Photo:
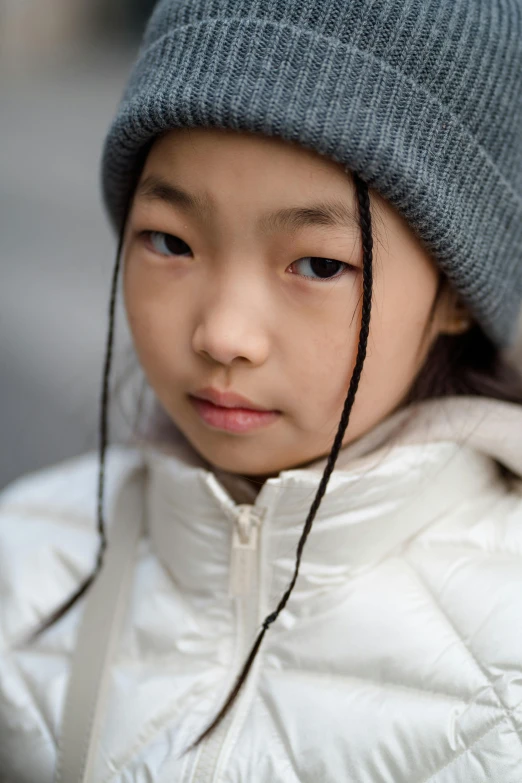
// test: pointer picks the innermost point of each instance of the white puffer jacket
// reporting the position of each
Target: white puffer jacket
(397, 660)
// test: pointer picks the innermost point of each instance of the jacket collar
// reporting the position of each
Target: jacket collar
(388, 486)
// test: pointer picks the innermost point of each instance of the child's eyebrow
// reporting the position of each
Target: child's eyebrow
(333, 214)
(154, 188)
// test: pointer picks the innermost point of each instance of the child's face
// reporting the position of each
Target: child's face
(241, 303)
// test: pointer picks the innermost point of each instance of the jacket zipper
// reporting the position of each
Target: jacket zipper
(244, 587)
(243, 557)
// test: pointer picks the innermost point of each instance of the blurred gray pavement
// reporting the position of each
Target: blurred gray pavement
(56, 256)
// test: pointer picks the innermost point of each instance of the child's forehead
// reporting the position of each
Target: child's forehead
(242, 156)
(238, 142)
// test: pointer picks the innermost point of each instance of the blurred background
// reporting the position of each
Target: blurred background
(63, 65)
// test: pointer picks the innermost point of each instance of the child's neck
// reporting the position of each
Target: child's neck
(242, 489)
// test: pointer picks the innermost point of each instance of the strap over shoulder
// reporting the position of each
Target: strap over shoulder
(98, 635)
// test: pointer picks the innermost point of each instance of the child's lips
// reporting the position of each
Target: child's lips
(232, 419)
(227, 399)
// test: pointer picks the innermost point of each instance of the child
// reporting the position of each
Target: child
(309, 568)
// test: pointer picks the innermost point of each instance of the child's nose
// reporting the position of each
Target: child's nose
(233, 324)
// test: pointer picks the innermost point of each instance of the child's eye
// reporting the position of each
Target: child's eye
(167, 244)
(321, 268)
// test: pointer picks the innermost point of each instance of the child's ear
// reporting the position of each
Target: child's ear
(453, 316)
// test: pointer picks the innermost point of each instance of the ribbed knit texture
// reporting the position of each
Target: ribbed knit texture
(422, 98)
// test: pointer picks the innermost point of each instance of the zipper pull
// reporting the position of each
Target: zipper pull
(243, 557)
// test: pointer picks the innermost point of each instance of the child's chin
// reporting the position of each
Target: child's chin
(236, 454)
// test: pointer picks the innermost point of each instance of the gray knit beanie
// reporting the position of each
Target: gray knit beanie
(421, 98)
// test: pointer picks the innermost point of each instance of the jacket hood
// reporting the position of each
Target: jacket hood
(488, 426)
(419, 465)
